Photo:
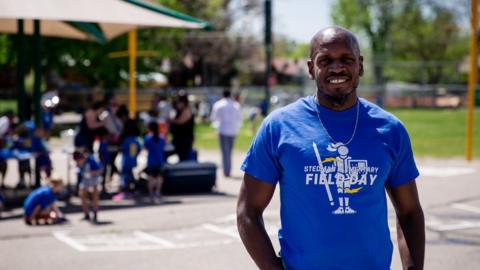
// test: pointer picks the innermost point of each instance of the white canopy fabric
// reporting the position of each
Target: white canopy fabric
(114, 17)
(47, 28)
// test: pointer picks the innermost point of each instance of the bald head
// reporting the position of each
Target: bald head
(332, 34)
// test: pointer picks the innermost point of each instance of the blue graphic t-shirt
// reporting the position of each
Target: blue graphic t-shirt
(42, 196)
(155, 151)
(130, 149)
(333, 202)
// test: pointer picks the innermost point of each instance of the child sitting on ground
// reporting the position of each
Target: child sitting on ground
(39, 206)
(90, 171)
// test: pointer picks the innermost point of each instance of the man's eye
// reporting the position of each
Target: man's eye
(348, 60)
(323, 62)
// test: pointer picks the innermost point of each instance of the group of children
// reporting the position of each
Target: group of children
(40, 208)
(26, 142)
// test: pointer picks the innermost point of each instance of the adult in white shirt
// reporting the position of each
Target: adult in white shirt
(226, 117)
(6, 122)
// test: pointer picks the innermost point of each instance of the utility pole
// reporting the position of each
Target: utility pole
(21, 71)
(37, 81)
(132, 89)
(268, 50)
(472, 78)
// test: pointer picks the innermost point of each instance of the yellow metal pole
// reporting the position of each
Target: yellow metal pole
(472, 78)
(132, 55)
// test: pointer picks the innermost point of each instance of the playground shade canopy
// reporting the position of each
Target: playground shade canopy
(90, 19)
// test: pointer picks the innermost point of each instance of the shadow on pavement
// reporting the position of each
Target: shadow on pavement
(72, 205)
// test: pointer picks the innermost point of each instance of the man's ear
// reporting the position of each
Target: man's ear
(361, 66)
(311, 66)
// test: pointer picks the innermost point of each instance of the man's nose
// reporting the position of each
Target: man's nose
(337, 66)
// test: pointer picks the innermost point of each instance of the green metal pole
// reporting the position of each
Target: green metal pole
(20, 71)
(37, 84)
(37, 81)
(268, 50)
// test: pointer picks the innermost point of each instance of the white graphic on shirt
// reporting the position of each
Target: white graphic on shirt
(349, 176)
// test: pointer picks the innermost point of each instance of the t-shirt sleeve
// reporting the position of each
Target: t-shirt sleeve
(404, 168)
(94, 165)
(261, 161)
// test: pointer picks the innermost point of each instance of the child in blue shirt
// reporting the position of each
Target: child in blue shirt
(39, 206)
(154, 143)
(22, 150)
(106, 153)
(90, 171)
(41, 152)
(130, 148)
(46, 115)
(5, 153)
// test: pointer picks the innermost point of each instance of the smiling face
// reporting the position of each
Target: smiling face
(336, 66)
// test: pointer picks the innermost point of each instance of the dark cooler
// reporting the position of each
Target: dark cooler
(189, 177)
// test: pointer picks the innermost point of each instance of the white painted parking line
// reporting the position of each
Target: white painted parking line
(226, 218)
(461, 225)
(444, 171)
(219, 230)
(466, 207)
(154, 239)
(107, 242)
(435, 224)
(206, 244)
(222, 231)
(63, 236)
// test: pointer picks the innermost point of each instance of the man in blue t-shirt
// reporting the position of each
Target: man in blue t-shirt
(334, 155)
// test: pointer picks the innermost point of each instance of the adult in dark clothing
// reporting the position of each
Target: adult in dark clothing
(88, 126)
(130, 126)
(181, 127)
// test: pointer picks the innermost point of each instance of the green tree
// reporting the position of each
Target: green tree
(410, 40)
(214, 53)
(374, 19)
(428, 36)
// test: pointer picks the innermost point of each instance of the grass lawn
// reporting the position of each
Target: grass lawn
(8, 104)
(435, 133)
(439, 133)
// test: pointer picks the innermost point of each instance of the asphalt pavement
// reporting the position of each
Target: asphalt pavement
(199, 231)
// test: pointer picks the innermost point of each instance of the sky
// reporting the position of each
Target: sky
(297, 19)
(300, 19)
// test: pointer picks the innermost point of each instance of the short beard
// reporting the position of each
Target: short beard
(337, 100)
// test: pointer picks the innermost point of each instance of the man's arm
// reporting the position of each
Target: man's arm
(412, 223)
(254, 197)
(402, 244)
